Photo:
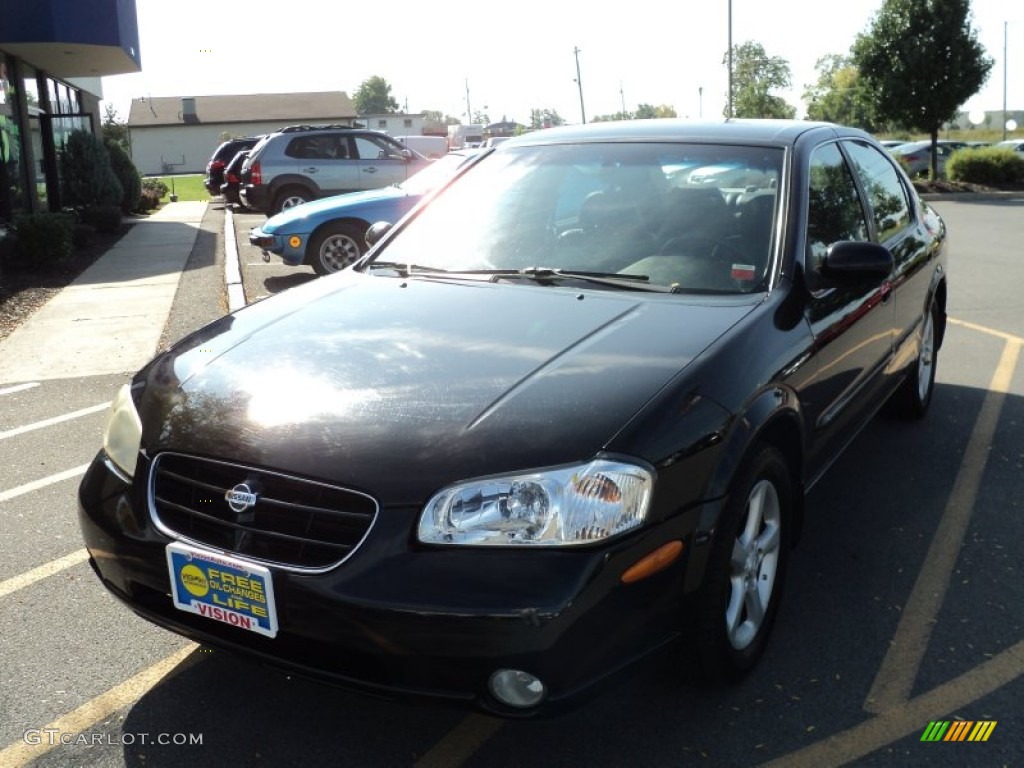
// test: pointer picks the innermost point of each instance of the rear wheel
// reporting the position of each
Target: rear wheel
(335, 247)
(912, 399)
(746, 570)
(289, 198)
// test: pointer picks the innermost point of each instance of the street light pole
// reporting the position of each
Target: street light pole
(730, 58)
(579, 82)
(622, 95)
(469, 112)
(700, 101)
(1005, 23)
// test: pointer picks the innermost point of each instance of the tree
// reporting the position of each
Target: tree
(374, 97)
(840, 95)
(648, 111)
(114, 129)
(86, 175)
(755, 75)
(922, 60)
(612, 117)
(545, 118)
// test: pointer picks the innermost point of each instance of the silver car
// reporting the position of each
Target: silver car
(306, 162)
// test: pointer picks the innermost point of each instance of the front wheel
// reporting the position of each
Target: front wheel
(335, 247)
(746, 569)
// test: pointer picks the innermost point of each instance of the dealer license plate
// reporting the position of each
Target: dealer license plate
(222, 589)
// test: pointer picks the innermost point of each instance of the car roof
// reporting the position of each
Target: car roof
(783, 132)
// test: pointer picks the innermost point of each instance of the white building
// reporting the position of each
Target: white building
(178, 134)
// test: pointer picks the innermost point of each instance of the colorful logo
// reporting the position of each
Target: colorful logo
(194, 580)
(958, 730)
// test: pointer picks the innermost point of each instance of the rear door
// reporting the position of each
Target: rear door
(324, 159)
(899, 227)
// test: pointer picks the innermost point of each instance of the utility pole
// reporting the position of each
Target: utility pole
(622, 95)
(469, 111)
(579, 82)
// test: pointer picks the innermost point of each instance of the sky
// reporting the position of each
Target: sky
(506, 59)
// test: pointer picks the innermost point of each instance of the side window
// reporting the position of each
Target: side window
(324, 147)
(885, 191)
(376, 148)
(834, 210)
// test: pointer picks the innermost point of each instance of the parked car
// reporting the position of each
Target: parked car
(330, 234)
(306, 162)
(233, 179)
(1017, 145)
(918, 158)
(563, 415)
(220, 158)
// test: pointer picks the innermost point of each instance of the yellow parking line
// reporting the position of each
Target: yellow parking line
(895, 678)
(43, 571)
(460, 742)
(95, 710)
(847, 746)
(990, 331)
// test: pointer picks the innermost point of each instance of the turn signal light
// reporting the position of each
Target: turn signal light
(650, 564)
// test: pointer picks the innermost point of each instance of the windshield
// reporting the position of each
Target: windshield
(435, 174)
(689, 217)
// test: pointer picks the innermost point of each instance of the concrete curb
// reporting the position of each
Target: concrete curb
(232, 269)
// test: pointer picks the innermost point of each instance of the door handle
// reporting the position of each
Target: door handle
(311, 169)
(371, 169)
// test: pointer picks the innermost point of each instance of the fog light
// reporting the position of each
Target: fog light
(516, 688)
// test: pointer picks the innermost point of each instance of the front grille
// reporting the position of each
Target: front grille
(295, 523)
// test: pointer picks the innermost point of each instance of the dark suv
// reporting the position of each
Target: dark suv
(306, 162)
(221, 157)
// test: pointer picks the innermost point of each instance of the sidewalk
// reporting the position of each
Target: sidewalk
(109, 320)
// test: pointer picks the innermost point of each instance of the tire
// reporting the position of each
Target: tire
(289, 198)
(914, 395)
(746, 569)
(335, 247)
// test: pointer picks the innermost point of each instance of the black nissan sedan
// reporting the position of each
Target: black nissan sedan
(563, 413)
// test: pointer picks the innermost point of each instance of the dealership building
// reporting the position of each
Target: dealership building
(52, 56)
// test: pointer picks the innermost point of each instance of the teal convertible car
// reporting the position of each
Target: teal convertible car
(329, 234)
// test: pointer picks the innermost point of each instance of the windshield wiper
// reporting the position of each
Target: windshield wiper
(404, 268)
(615, 279)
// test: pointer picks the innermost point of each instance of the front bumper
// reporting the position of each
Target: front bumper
(291, 248)
(404, 620)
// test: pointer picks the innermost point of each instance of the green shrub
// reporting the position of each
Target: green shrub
(155, 186)
(991, 166)
(86, 173)
(83, 235)
(127, 174)
(44, 237)
(106, 218)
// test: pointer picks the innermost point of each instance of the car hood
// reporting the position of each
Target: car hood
(329, 207)
(399, 386)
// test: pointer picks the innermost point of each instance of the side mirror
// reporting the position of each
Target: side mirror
(377, 231)
(849, 261)
(407, 154)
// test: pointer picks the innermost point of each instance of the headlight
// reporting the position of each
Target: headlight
(580, 504)
(123, 434)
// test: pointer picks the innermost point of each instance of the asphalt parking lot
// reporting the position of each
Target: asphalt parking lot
(904, 603)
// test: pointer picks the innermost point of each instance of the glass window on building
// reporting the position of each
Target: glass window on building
(37, 170)
(12, 175)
